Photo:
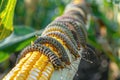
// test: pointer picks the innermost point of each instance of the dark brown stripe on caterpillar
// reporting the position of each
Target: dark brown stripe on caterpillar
(62, 53)
(75, 35)
(44, 50)
(72, 17)
(75, 14)
(66, 40)
(77, 8)
(74, 21)
(81, 34)
(64, 29)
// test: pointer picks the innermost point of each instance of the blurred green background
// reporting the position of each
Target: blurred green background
(32, 16)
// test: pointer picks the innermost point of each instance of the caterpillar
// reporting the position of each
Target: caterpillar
(66, 40)
(75, 14)
(75, 35)
(82, 37)
(46, 51)
(64, 29)
(46, 39)
(76, 22)
(76, 8)
(57, 28)
(81, 33)
(53, 28)
(65, 16)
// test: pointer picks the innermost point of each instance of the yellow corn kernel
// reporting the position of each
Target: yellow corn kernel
(24, 72)
(17, 68)
(48, 71)
(33, 66)
(38, 68)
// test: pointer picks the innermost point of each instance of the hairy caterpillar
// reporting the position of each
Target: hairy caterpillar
(76, 8)
(66, 40)
(46, 51)
(64, 29)
(55, 44)
(81, 33)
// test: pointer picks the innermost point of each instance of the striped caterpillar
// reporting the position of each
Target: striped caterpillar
(75, 35)
(62, 28)
(77, 8)
(75, 22)
(75, 14)
(46, 51)
(46, 39)
(78, 30)
(74, 18)
(66, 40)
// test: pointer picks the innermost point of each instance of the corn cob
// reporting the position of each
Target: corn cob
(36, 66)
(30, 68)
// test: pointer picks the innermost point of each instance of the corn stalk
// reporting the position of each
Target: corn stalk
(34, 65)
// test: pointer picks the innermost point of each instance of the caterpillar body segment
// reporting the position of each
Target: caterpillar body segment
(24, 52)
(65, 16)
(81, 34)
(46, 51)
(74, 21)
(75, 14)
(64, 29)
(75, 35)
(66, 40)
(77, 8)
(62, 52)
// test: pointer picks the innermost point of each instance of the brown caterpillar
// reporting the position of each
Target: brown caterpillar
(53, 28)
(76, 22)
(66, 40)
(75, 35)
(46, 51)
(65, 16)
(75, 14)
(83, 42)
(81, 34)
(82, 38)
(64, 29)
(46, 39)
(73, 21)
(76, 8)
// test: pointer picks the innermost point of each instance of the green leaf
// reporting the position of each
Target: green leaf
(3, 56)
(6, 17)
(23, 30)
(18, 40)
(110, 25)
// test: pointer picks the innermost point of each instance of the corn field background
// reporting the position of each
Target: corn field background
(22, 20)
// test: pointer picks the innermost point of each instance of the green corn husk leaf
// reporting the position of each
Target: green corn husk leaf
(6, 17)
